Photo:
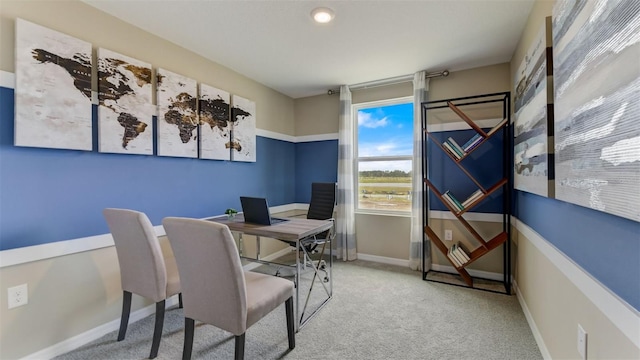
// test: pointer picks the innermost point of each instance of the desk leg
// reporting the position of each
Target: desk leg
(240, 244)
(258, 247)
(297, 284)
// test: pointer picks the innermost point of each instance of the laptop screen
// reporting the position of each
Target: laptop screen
(256, 210)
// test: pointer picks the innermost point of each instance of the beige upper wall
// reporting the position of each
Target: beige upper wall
(540, 10)
(317, 115)
(320, 114)
(478, 81)
(274, 111)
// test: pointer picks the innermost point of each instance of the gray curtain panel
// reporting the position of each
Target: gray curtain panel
(420, 88)
(345, 224)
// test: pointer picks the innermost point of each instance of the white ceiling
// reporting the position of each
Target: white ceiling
(276, 43)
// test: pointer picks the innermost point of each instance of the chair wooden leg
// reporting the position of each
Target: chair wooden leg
(189, 328)
(239, 347)
(157, 331)
(124, 319)
(291, 330)
(180, 301)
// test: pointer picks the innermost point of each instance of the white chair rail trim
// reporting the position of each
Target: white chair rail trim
(28, 254)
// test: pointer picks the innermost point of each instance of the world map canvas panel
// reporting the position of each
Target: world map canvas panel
(215, 136)
(243, 142)
(125, 113)
(533, 125)
(597, 104)
(53, 89)
(177, 115)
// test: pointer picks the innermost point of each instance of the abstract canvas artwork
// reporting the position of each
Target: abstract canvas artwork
(243, 139)
(596, 57)
(53, 89)
(177, 115)
(215, 127)
(125, 113)
(533, 110)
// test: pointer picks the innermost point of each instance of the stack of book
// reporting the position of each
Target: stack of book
(472, 143)
(453, 147)
(472, 198)
(459, 206)
(457, 255)
(455, 204)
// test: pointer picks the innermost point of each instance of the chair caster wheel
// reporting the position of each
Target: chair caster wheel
(326, 279)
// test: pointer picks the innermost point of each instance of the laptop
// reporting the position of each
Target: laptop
(256, 211)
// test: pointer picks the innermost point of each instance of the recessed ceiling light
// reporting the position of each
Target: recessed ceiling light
(322, 15)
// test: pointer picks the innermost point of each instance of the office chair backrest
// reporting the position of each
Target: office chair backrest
(142, 266)
(211, 275)
(323, 199)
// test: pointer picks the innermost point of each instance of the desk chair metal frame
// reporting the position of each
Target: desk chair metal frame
(321, 207)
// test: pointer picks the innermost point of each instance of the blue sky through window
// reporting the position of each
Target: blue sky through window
(386, 131)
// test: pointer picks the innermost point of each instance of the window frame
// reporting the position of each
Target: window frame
(357, 159)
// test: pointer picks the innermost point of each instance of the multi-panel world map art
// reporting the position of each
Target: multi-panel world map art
(125, 113)
(53, 89)
(177, 115)
(53, 99)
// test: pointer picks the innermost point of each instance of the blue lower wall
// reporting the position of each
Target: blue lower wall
(606, 246)
(316, 161)
(49, 195)
(484, 164)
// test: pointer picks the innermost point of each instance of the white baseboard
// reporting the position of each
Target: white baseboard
(475, 273)
(383, 259)
(86, 337)
(532, 324)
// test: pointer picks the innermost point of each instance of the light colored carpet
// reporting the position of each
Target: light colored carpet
(377, 312)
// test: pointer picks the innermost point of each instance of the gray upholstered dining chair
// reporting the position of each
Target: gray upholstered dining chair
(144, 269)
(216, 290)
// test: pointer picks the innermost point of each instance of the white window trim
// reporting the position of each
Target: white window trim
(354, 115)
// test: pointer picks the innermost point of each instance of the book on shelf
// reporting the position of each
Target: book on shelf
(455, 201)
(460, 251)
(455, 146)
(473, 197)
(498, 126)
(453, 259)
(461, 259)
(451, 203)
(474, 143)
(472, 140)
(449, 148)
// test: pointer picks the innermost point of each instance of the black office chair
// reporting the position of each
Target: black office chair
(323, 199)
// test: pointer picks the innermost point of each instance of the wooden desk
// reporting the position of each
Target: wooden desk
(295, 230)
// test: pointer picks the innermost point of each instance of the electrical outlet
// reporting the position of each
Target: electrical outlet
(582, 342)
(18, 296)
(448, 235)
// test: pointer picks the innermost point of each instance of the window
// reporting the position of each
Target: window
(384, 155)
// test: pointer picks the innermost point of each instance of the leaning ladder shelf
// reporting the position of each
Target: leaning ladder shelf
(459, 154)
